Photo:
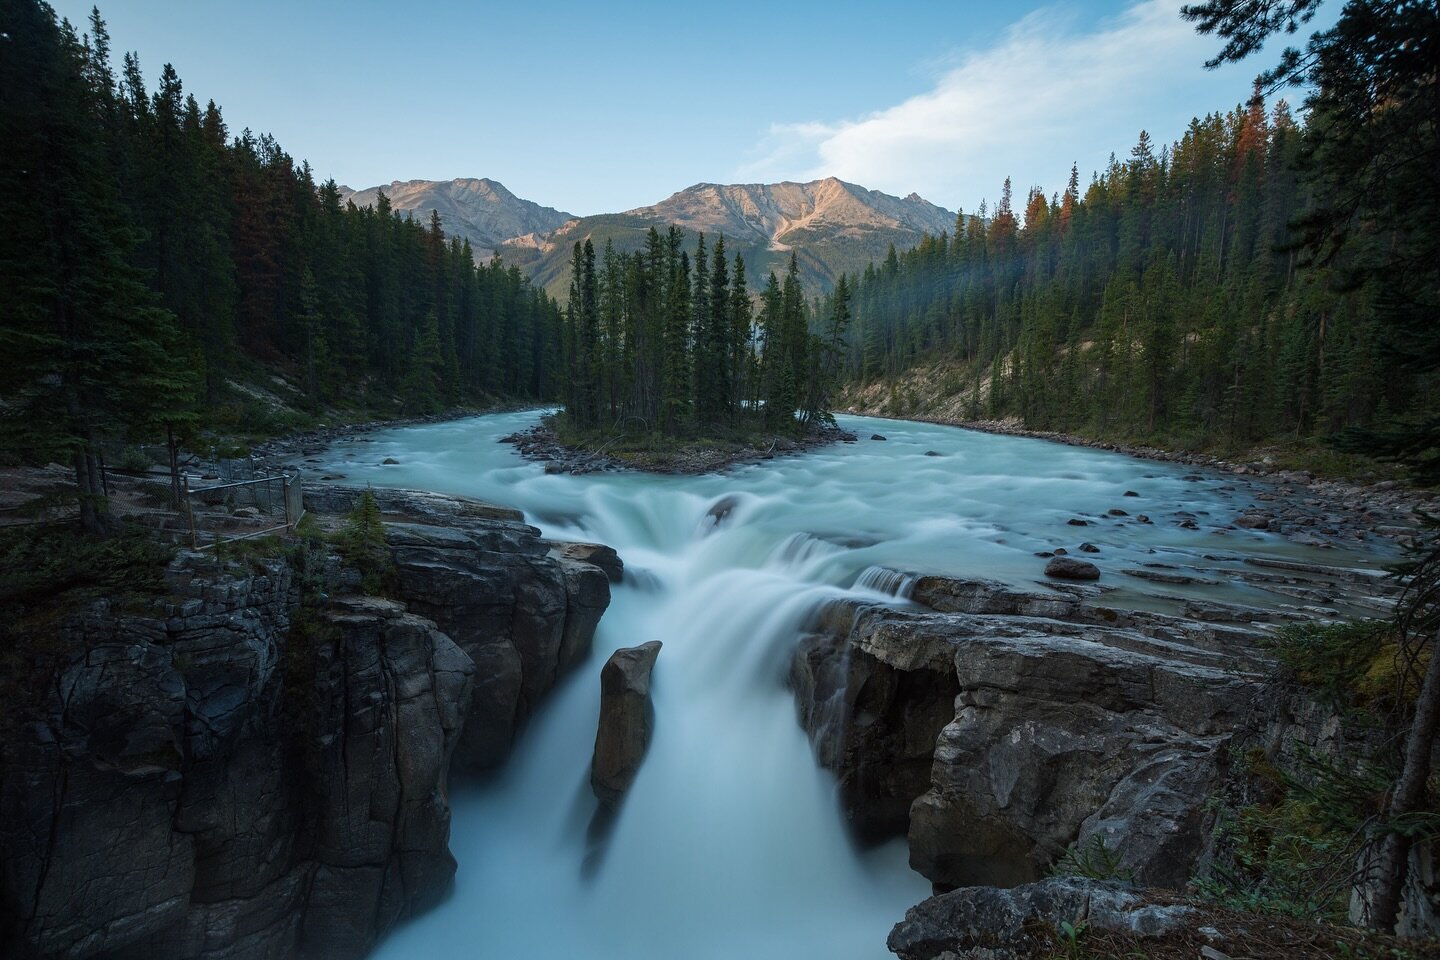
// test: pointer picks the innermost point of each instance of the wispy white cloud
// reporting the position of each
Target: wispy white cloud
(1052, 91)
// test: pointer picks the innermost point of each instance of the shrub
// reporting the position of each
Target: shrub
(361, 543)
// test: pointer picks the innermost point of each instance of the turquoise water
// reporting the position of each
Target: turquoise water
(730, 844)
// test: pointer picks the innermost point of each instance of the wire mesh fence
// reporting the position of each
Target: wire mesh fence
(231, 500)
(238, 509)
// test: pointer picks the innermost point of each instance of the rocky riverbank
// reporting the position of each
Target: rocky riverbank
(291, 450)
(1001, 730)
(258, 765)
(543, 444)
(1310, 510)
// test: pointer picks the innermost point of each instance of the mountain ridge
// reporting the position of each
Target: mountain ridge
(829, 225)
(479, 209)
(774, 210)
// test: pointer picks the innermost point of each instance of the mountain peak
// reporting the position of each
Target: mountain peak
(774, 211)
(479, 209)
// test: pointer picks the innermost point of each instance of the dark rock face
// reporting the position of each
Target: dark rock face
(874, 725)
(1004, 726)
(132, 806)
(523, 609)
(207, 784)
(627, 720)
(391, 698)
(985, 923)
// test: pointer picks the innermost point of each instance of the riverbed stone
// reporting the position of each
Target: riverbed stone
(1068, 568)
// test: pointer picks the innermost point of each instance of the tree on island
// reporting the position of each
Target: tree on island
(668, 343)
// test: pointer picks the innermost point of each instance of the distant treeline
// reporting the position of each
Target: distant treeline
(148, 258)
(1167, 300)
(658, 342)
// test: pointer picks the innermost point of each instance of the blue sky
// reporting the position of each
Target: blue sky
(594, 107)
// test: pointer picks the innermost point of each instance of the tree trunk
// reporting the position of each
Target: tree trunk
(172, 447)
(1408, 796)
(94, 508)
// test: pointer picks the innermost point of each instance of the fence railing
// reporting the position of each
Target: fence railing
(205, 510)
(279, 499)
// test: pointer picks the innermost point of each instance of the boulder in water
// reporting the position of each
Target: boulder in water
(721, 509)
(876, 436)
(626, 721)
(1068, 568)
(596, 554)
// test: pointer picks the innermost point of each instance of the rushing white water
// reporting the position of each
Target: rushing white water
(730, 843)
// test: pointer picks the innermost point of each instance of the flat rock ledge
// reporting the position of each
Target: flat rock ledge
(987, 923)
(1087, 918)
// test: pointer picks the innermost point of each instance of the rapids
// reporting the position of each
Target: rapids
(730, 845)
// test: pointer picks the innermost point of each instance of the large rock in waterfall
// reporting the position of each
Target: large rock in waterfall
(627, 720)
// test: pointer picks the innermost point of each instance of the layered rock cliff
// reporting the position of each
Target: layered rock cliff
(233, 775)
(998, 727)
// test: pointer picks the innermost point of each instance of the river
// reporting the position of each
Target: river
(730, 845)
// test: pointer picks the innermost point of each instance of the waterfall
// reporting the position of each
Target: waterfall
(730, 843)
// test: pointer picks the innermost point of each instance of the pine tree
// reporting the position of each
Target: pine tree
(91, 356)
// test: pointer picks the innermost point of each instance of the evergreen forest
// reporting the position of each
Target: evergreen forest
(1233, 287)
(156, 267)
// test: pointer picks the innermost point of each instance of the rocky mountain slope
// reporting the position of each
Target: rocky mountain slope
(481, 210)
(830, 225)
(789, 214)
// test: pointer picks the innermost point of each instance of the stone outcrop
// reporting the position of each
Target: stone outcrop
(988, 923)
(627, 720)
(1001, 726)
(872, 723)
(388, 702)
(209, 780)
(522, 608)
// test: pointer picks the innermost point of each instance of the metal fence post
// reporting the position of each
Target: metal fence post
(190, 513)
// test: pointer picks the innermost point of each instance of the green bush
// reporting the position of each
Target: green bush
(1293, 852)
(1093, 861)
